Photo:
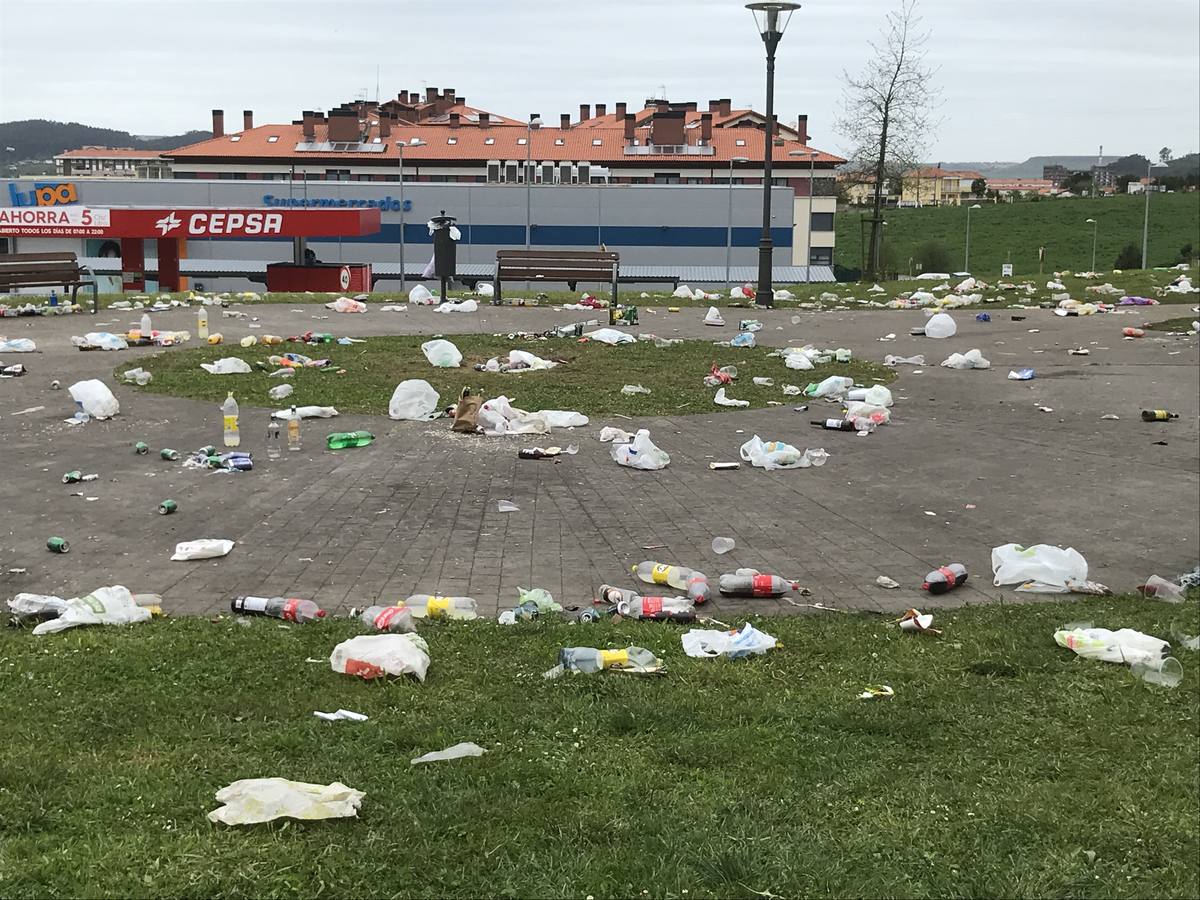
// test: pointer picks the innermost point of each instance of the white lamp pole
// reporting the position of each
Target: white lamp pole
(967, 253)
(534, 119)
(1094, 225)
(729, 223)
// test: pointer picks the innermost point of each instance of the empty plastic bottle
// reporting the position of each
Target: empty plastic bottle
(229, 414)
(290, 609)
(612, 594)
(1158, 415)
(340, 440)
(689, 580)
(590, 660)
(433, 607)
(675, 609)
(389, 618)
(146, 328)
(202, 324)
(273, 451)
(752, 583)
(293, 427)
(944, 579)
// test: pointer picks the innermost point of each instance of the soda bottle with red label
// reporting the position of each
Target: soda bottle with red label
(290, 609)
(674, 609)
(752, 583)
(396, 619)
(947, 578)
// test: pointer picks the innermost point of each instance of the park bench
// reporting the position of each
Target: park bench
(58, 269)
(571, 266)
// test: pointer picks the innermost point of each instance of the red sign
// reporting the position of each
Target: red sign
(188, 223)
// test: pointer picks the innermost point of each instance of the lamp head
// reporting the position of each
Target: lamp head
(772, 18)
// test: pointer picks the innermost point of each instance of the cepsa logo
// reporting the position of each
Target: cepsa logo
(44, 194)
(232, 224)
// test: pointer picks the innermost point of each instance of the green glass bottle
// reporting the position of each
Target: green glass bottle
(340, 440)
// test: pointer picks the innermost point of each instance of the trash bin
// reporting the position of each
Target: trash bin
(445, 248)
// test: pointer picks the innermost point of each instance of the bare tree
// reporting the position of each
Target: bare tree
(887, 111)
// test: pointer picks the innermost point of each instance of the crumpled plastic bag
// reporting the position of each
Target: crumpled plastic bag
(466, 306)
(641, 453)
(611, 336)
(375, 655)
(735, 644)
(562, 418)
(683, 292)
(306, 412)
(414, 400)
(778, 455)
(458, 751)
(254, 800)
(100, 340)
(95, 398)
(940, 326)
(972, 359)
(442, 353)
(744, 339)
(721, 400)
(346, 305)
(1041, 569)
(104, 606)
(230, 365)
(499, 416)
(616, 435)
(1122, 646)
(17, 345)
(205, 548)
(485, 289)
(420, 296)
(918, 360)
(833, 387)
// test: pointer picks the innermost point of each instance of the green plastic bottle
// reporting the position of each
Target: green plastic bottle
(340, 440)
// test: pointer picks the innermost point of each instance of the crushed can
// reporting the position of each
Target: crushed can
(141, 448)
(167, 507)
(72, 477)
(58, 545)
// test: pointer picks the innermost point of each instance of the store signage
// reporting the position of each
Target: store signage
(387, 204)
(44, 194)
(133, 222)
(76, 221)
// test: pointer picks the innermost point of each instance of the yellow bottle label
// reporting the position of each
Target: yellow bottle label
(661, 574)
(611, 659)
(231, 423)
(437, 606)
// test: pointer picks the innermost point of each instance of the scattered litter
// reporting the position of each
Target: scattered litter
(27, 410)
(778, 455)
(506, 506)
(640, 453)
(1021, 374)
(104, 606)
(972, 359)
(305, 412)
(634, 389)
(721, 400)
(205, 548)
(877, 692)
(94, 399)
(346, 305)
(442, 353)
(138, 376)
(917, 621)
(375, 655)
(723, 466)
(884, 582)
(930, 512)
(616, 435)
(466, 306)
(1125, 646)
(254, 800)
(340, 714)
(589, 660)
(722, 545)
(700, 643)
(713, 317)
(611, 336)
(420, 296)
(230, 365)
(414, 400)
(1043, 569)
(17, 345)
(458, 751)
(280, 392)
(940, 326)
(890, 360)
(1046, 409)
(1162, 589)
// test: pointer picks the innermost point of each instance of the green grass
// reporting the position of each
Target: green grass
(589, 380)
(1013, 232)
(1004, 766)
(1181, 323)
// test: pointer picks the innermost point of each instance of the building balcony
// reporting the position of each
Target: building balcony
(668, 150)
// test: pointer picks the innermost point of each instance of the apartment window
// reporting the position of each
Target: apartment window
(337, 174)
(820, 256)
(584, 173)
(822, 221)
(666, 178)
(493, 171)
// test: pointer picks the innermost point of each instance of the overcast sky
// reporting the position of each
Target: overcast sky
(1019, 78)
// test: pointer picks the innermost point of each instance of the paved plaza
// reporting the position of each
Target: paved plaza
(416, 511)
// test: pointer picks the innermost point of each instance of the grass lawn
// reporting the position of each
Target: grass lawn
(1013, 232)
(1181, 323)
(1004, 766)
(589, 381)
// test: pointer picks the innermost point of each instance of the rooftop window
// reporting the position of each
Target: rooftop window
(596, 142)
(740, 142)
(558, 142)
(235, 137)
(272, 139)
(522, 141)
(489, 140)
(451, 140)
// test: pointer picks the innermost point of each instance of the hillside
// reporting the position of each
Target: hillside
(40, 139)
(1014, 231)
(1030, 168)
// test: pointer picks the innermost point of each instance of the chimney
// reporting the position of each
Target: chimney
(619, 111)
(601, 109)
(218, 123)
(448, 94)
(535, 120)
(714, 105)
(247, 119)
(706, 128)
(343, 126)
(385, 125)
(430, 94)
(584, 112)
(690, 106)
(310, 125)
(630, 120)
(666, 127)
(454, 118)
(564, 121)
(725, 106)
(485, 119)
(802, 129)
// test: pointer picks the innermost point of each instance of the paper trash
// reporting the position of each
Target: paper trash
(205, 548)
(734, 644)
(253, 800)
(458, 751)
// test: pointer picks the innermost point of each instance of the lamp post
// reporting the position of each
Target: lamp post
(1146, 218)
(772, 20)
(534, 119)
(400, 145)
(967, 252)
(729, 225)
(812, 162)
(1095, 226)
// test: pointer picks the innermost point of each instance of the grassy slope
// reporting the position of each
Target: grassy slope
(590, 383)
(1014, 231)
(1000, 765)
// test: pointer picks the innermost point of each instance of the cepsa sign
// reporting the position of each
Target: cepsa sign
(222, 224)
(170, 224)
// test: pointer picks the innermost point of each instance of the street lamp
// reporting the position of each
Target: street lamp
(967, 253)
(772, 19)
(729, 225)
(812, 162)
(1095, 226)
(534, 119)
(1146, 218)
(400, 145)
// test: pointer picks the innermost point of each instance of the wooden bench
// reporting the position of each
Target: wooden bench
(60, 269)
(571, 266)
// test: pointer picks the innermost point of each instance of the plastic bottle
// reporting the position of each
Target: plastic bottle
(689, 580)
(290, 609)
(835, 425)
(229, 414)
(202, 324)
(389, 618)
(752, 583)
(590, 660)
(944, 579)
(273, 451)
(293, 428)
(340, 440)
(146, 328)
(1133, 332)
(612, 594)
(1158, 415)
(433, 607)
(675, 609)
(53, 297)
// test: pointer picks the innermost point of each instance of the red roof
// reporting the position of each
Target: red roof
(502, 142)
(109, 153)
(935, 172)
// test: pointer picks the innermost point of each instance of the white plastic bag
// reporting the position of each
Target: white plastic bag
(875, 395)
(972, 359)
(458, 751)
(253, 800)
(940, 325)
(485, 289)
(442, 354)
(414, 400)
(721, 400)
(616, 435)
(306, 412)
(525, 358)
(1040, 569)
(797, 359)
(280, 391)
(205, 548)
(100, 340)
(375, 655)
(562, 418)
(17, 345)
(834, 386)
(420, 296)
(103, 606)
(640, 453)
(734, 644)
(683, 292)
(95, 398)
(230, 365)
(611, 336)
(346, 305)
(778, 455)
(1122, 646)
(466, 306)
